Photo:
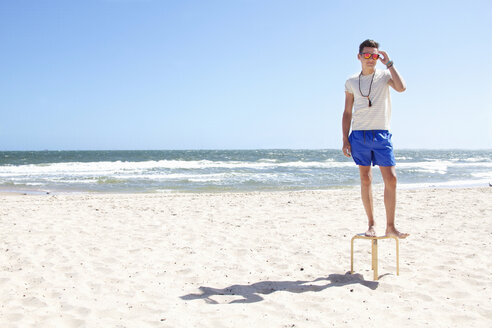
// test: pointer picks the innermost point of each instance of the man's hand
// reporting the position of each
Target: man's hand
(347, 149)
(396, 81)
(385, 58)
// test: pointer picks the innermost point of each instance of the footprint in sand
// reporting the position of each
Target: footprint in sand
(418, 295)
(12, 317)
(33, 302)
(104, 269)
(459, 294)
(66, 321)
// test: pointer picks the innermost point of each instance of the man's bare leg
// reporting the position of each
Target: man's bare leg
(366, 195)
(389, 177)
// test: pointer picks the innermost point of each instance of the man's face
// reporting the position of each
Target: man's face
(368, 62)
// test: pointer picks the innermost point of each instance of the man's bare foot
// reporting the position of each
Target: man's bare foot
(396, 233)
(370, 232)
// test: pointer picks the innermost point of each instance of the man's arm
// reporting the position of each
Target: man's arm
(346, 122)
(396, 81)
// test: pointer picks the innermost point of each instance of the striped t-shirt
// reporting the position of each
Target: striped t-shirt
(376, 117)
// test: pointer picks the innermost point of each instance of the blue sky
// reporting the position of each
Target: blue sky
(236, 74)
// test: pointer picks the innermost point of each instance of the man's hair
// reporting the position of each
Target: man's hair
(368, 43)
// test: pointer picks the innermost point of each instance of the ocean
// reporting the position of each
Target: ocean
(228, 170)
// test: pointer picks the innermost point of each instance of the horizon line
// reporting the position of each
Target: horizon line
(234, 149)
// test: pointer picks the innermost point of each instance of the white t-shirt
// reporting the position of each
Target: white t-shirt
(378, 116)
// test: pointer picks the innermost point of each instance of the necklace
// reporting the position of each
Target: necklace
(370, 86)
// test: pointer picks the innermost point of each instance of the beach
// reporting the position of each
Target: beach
(244, 259)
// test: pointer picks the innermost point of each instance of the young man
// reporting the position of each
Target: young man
(368, 110)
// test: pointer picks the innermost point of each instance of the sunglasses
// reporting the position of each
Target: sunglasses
(367, 55)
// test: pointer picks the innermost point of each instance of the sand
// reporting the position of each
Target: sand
(263, 259)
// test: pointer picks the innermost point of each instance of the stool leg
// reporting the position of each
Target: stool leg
(397, 257)
(372, 253)
(375, 258)
(352, 256)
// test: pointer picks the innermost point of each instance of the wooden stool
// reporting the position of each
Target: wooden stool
(374, 242)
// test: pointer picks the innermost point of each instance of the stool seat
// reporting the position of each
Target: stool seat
(374, 243)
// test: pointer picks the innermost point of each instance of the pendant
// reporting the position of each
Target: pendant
(370, 103)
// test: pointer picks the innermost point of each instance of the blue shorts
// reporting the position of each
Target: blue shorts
(372, 146)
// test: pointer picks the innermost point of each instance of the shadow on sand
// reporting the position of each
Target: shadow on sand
(251, 293)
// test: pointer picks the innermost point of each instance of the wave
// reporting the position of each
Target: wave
(440, 167)
(280, 173)
(446, 184)
(118, 166)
